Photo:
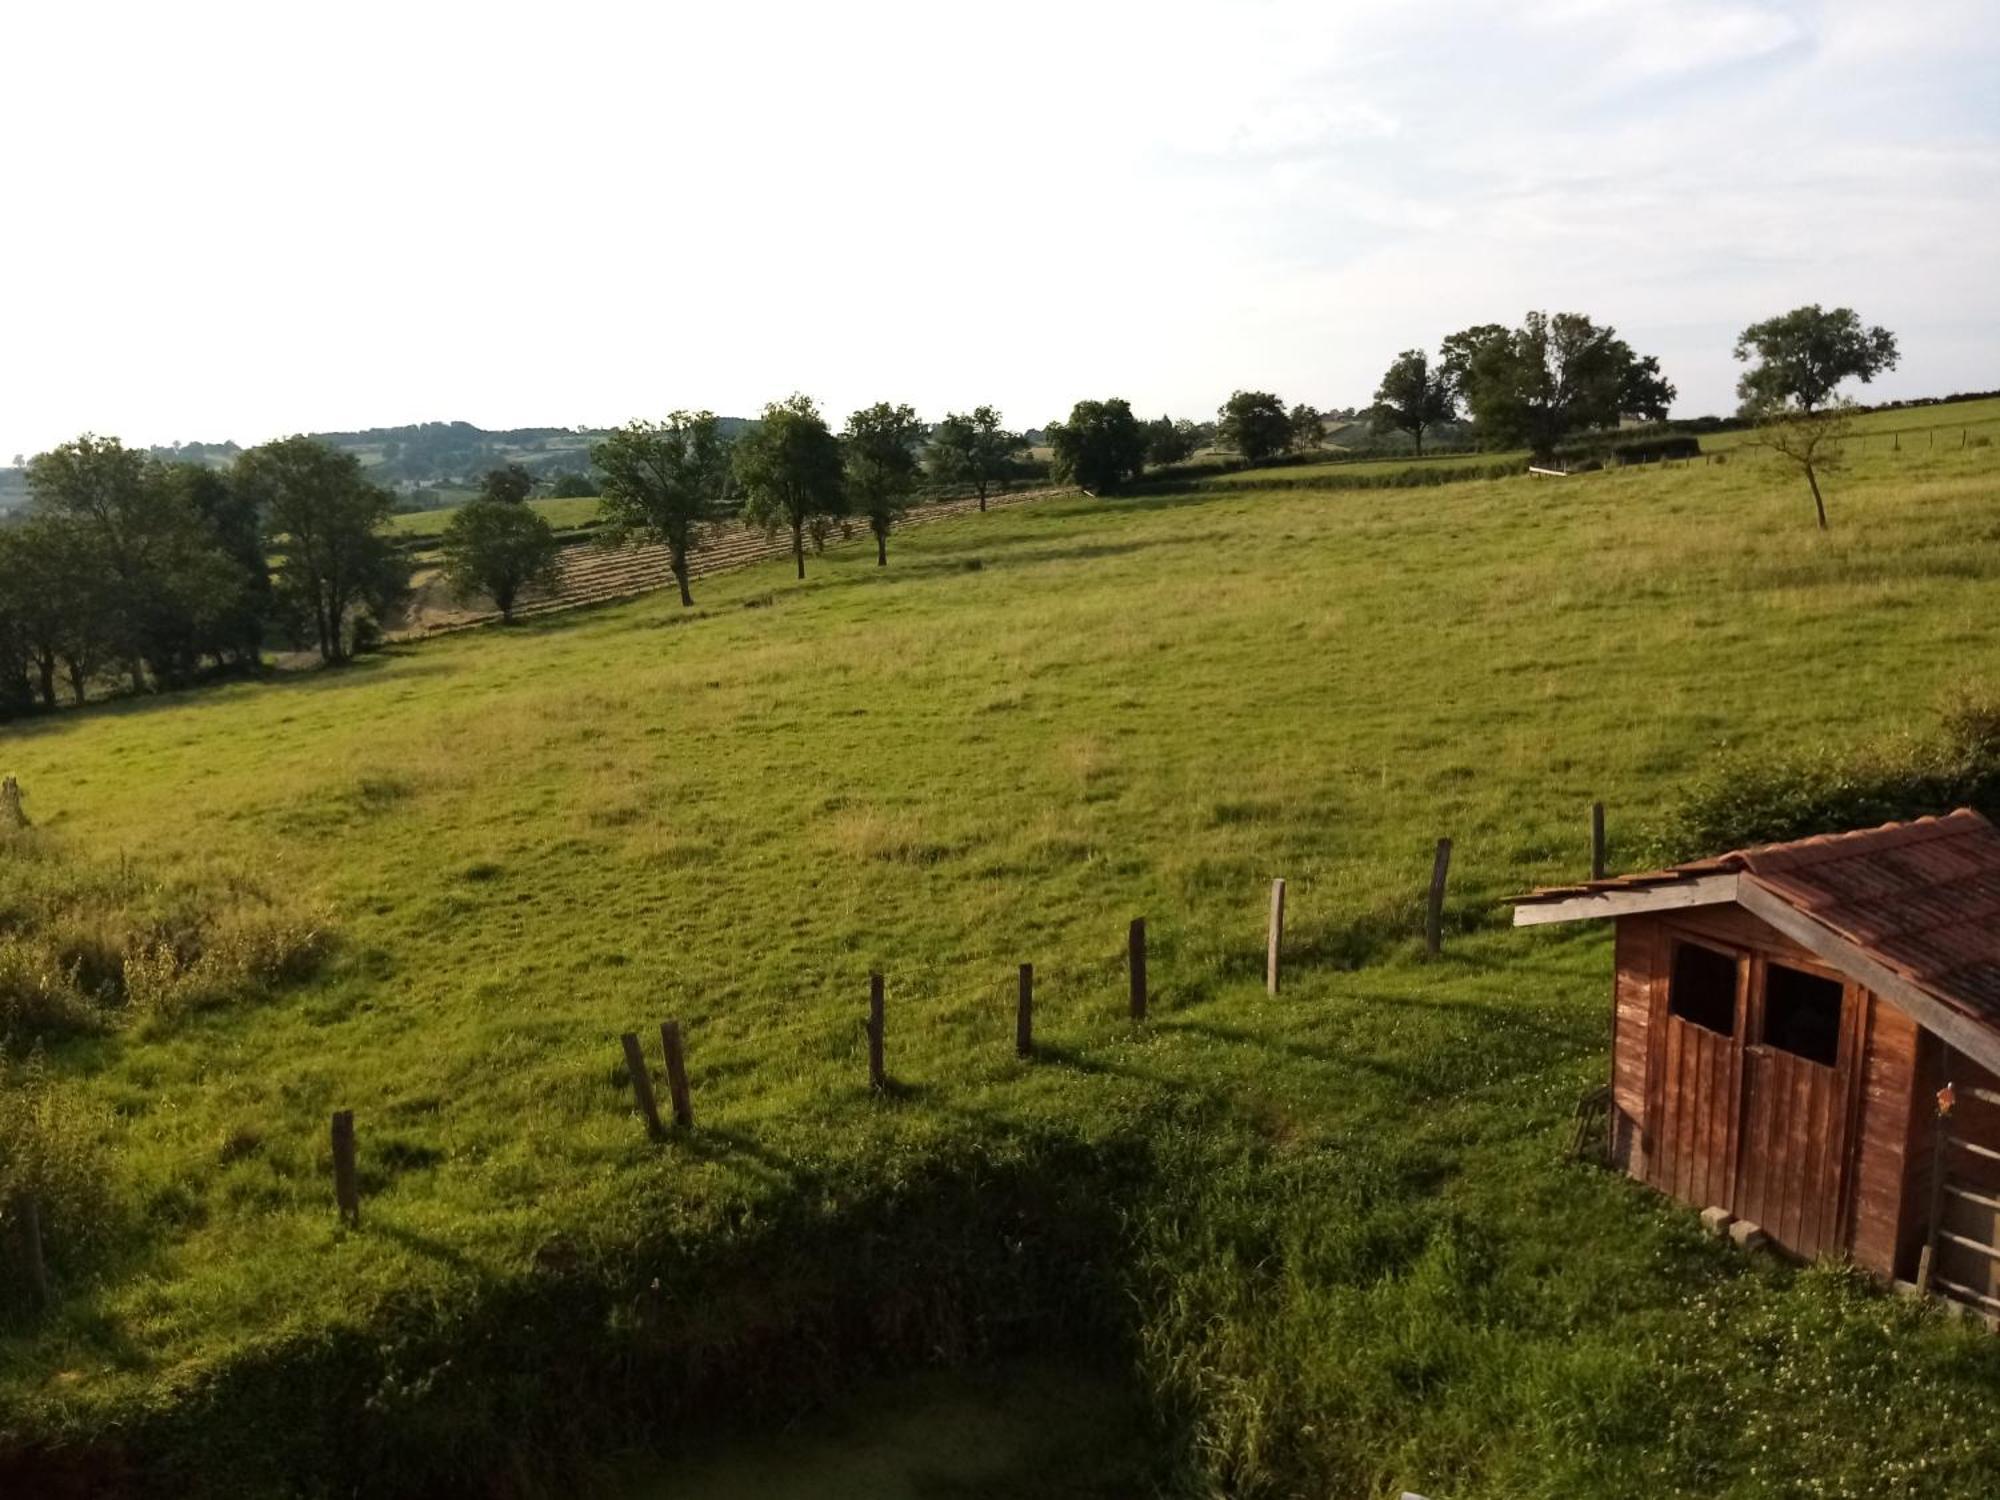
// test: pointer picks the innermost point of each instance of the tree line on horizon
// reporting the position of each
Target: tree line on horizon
(154, 573)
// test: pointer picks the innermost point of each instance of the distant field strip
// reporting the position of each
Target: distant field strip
(593, 574)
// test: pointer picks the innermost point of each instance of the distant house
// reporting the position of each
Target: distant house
(1788, 1022)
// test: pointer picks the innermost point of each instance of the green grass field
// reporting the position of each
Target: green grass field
(1333, 1235)
(574, 511)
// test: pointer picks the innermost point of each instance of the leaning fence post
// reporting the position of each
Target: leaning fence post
(1277, 937)
(346, 1191)
(1024, 1014)
(11, 815)
(642, 1084)
(1597, 841)
(878, 1076)
(677, 1076)
(1135, 949)
(1434, 917)
(31, 1247)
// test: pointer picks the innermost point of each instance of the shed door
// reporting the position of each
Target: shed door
(1800, 1051)
(1694, 1075)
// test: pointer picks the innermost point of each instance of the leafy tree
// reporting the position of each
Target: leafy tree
(1415, 396)
(661, 481)
(1100, 448)
(1551, 377)
(326, 520)
(572, 486)
(52, 593)
(1255, 424)
(1809, 440)
(500, 548)
(1170, 442)
(1802, 356)
(1308, 429)
(880, 448)
(973, 449)
(233, 629)
(166, 580)
(790, 469)
(509, 483)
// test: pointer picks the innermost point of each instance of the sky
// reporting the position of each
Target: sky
(240, 221)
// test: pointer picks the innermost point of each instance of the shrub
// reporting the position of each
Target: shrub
(84, 948)
(1748, 800)
(51, 1150)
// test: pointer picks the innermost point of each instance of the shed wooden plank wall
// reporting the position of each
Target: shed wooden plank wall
(1974, 1121)
(1638, 950)
(1880, 1230)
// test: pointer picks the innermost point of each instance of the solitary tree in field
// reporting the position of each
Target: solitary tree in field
(325, 520)
(972, 448)
(1809, 440)
(879, 447)
(1255, 424)
(1802, 356)
(1308, 429)
(1553, 376)
(662, 480)
(1169, 442)
(1414, 397)
(509, 483)
(789, 467)
(1100, 448)
(500, 548)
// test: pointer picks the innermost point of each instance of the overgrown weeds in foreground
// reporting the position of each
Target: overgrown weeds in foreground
(88, 947)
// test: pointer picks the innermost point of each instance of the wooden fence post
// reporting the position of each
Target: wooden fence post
(677, 1075)
(1277, 937)
(11, 815)
(31, 1247)
(1434, 917)
(1135, 950)
(1597, 841)
(1024, 1014)
(346, 1190)
(642, 1084)
(878, 1075)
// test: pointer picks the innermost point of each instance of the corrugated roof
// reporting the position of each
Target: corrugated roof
(1922, 898)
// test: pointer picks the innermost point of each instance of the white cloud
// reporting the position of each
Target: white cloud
(237, 220)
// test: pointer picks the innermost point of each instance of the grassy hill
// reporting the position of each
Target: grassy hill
(1332, 1238)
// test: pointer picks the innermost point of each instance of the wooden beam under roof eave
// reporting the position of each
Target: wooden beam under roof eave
(1703, 890)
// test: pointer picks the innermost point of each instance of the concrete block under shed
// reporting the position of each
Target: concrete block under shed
(1748, 1236)
(1716, 1221)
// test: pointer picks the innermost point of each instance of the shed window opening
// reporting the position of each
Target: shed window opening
(1802, 1014)
(1703, 988)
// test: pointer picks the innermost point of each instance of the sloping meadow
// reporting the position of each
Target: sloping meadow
(1333, 1235)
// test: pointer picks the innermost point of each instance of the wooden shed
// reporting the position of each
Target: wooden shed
(1807, 1035)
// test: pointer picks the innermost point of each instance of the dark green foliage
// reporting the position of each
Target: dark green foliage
(1255, 424)
(1555, 375)
(1414, 397)
(572, 486)
(509, 483)
(661, 481)
(51, 1152)
(133, 564)
(1644, 448)
(972, 449)
(1802, 357)
(1755, 797)
(1308, 429)
(337, 567)
(879, 450)
(1100, 449)
(790, 469)
(1170, 442)
(499, 548)
(1416, 477)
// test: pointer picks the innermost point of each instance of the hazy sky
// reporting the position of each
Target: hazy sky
(245, 220)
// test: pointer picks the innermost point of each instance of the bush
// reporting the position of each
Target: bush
(85, 948)
(1754, 799)
(51, 1150)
